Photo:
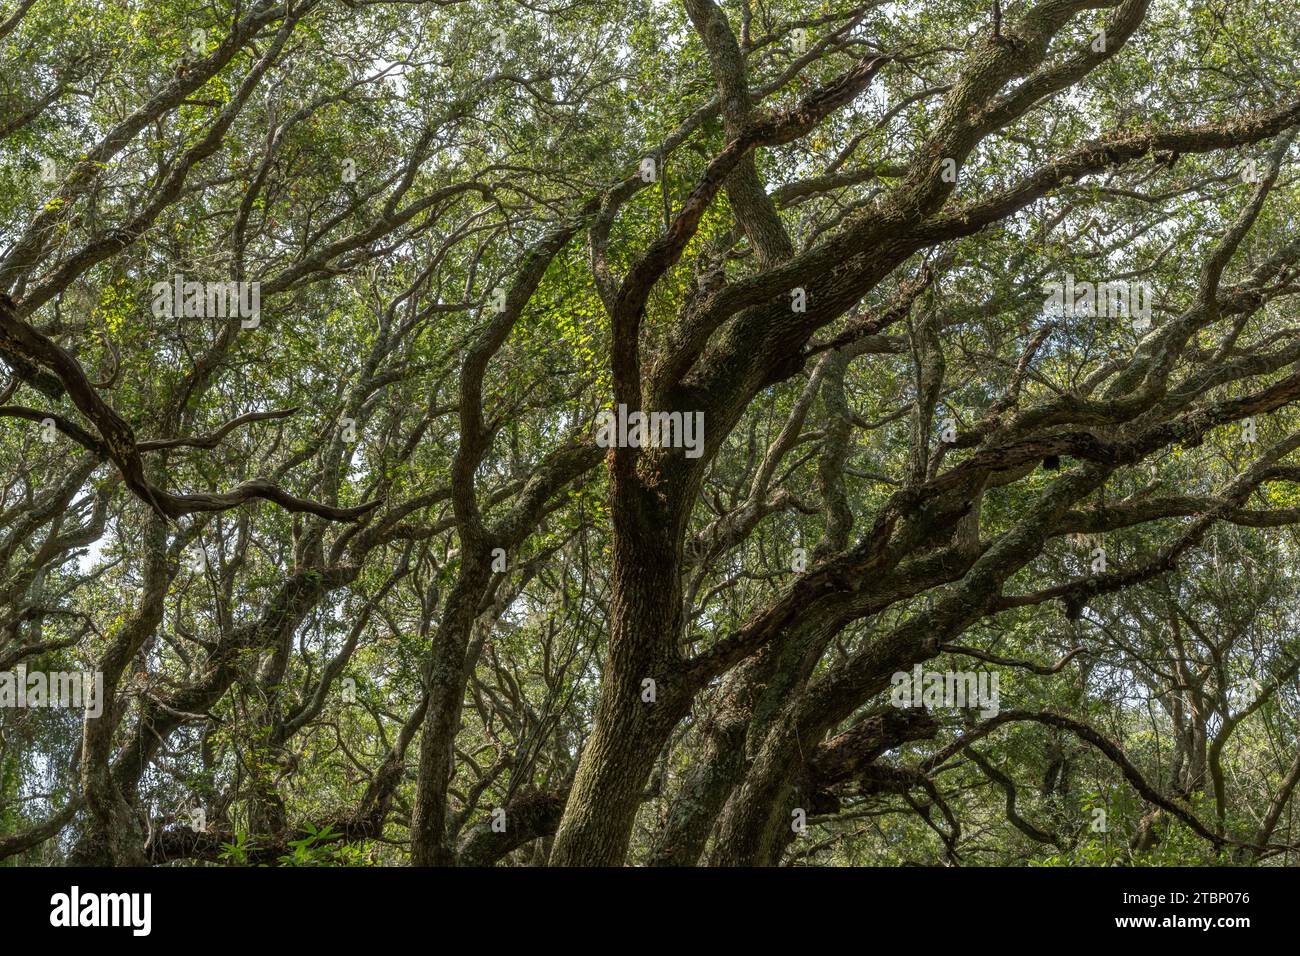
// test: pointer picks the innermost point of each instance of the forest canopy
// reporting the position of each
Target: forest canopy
(631, 432)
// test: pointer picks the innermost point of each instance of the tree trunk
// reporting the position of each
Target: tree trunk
(446, 688)
(633, 717)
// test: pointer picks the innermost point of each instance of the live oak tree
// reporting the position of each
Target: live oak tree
(362, 584)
